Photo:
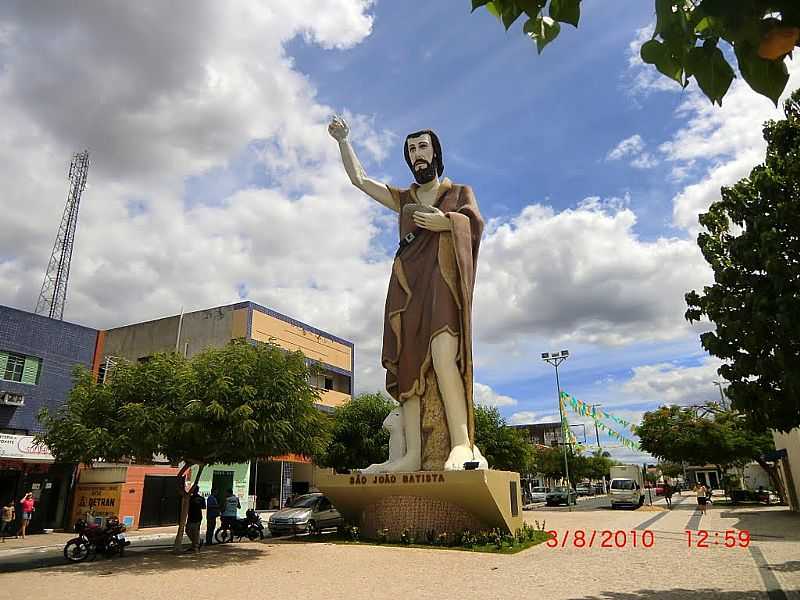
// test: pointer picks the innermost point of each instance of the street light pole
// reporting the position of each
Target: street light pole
(555, 359)
(599, 448)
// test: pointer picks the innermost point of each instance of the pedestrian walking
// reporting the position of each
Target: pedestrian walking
(196, 505)
(230, 510)
(8, 518)
(27, 504)
(212, 513)
(702, 499)
(668, 494)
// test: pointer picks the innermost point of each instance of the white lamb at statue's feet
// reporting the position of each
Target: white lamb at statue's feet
(458, 456)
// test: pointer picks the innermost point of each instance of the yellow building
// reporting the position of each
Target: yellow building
(269, 481)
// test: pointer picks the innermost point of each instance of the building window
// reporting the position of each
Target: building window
(329, 383)
(20, 368)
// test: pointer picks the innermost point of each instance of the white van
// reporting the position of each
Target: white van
(627, 486)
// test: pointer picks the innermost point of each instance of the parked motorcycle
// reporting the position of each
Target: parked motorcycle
(249, 527)
(108, 540)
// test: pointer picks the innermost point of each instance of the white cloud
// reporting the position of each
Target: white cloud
(582, 275)
(727, 141)
(527, 417)
(642, 79)
(633, 148)
(627, 147)
(669, 383)
(486, 396)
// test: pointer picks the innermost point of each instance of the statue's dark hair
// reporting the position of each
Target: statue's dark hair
(438, 159)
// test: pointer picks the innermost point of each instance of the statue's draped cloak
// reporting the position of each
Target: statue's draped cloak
(430, 291)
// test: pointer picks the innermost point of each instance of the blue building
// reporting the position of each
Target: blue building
(37, 358)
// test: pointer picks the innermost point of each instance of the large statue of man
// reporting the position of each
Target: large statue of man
(427, 339)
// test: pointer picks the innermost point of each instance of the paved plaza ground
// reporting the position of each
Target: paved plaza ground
(768, 568)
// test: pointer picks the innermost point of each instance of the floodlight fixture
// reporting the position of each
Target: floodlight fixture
(565, 353)
(545, 355)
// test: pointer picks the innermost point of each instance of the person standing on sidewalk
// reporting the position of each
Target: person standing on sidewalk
(668, 494)
(212, 512)
(231, 509)
(702, 498)
(196, 505)
(8, 518)
(27, 505)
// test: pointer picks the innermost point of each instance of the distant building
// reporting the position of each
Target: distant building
(542, 434)
(37, 358)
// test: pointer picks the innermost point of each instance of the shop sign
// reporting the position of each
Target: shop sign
(100, 500)
(23, 447)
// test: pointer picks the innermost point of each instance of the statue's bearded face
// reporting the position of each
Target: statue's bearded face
(421, 154)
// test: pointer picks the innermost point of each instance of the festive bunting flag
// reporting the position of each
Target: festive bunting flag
(583, 409)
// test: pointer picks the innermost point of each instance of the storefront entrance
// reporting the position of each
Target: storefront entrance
(161, 504)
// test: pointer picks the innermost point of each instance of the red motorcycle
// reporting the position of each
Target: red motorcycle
(108, 540)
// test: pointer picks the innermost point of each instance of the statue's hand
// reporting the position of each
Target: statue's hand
(434, 221)
(338, 128)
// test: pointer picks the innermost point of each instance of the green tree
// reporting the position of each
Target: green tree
(225, 405)
(505, 448)
(357, 435)
(670, 469)
(690, 39)
(752, 243)
(550, 463)
(720, 437)
(599, 465)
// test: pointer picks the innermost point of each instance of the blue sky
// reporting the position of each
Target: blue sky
(213, 177)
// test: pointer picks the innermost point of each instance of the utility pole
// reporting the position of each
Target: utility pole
(599, 448)
(721, 395)
(53, 295)
(555, 359)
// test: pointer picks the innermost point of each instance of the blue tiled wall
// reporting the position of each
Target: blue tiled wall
(60, 345)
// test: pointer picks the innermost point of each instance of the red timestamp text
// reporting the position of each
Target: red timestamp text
(730, 538)
(604, 538)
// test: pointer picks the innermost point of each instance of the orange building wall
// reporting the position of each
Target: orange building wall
(130, 501)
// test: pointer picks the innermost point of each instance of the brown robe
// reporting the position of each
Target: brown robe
(430, 291)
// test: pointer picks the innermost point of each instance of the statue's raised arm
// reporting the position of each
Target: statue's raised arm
(355, 171)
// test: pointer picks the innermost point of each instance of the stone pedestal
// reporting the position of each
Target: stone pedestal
(442, 501)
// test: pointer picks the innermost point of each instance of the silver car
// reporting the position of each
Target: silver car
(309, 513)
(539, 494)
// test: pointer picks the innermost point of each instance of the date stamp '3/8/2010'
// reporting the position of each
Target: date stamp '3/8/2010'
(632, 538)
(605, 538)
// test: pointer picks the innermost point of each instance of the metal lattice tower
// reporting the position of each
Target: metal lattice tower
(54, 288)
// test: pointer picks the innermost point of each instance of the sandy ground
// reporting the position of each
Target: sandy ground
(669, 570)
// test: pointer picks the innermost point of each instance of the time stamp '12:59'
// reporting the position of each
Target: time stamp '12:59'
(731, 538)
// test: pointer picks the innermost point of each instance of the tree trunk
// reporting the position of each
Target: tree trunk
(775, 478)
(178, 544)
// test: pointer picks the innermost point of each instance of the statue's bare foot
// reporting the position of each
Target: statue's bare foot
(458, 456)
(482, 462)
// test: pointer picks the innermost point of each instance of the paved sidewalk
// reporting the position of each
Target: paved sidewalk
(768, 568)
(57, 539)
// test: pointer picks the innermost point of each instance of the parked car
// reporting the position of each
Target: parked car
(561, 495)
(539, 494)
(583, 490)
(309, 513)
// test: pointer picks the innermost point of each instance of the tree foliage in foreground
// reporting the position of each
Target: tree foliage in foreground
(225, 405)
(505, 448)
(752, 243)
(691, 38)
(357, 435)
(721, 437)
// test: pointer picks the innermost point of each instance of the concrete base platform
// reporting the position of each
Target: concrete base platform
(442, 501)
